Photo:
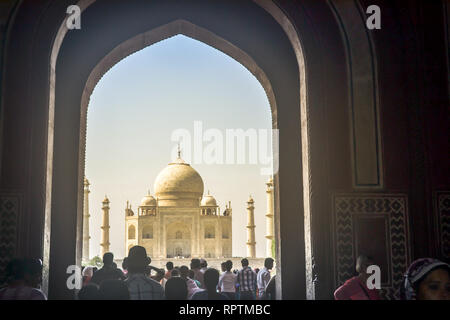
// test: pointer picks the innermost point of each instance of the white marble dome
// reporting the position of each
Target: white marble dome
(179, 181)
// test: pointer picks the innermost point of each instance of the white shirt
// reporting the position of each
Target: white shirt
(227, 282)
(262, 280)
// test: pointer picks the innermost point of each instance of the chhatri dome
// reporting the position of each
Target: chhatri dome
(208, 201)
(148, 201)
(178, 183)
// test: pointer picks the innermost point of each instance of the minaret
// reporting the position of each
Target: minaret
(86, 216)
(269, 218)
(105, 227)
(251, 248)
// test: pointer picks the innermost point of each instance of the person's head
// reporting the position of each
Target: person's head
(244, 262)
(108, 259)
(125, 263)
(147, 271)
(33, 272)
(169, 265)
(426, 279)
(184, 272)
(228, 265)
(203, 263)
(113, 290)
(211, 279)
(159, 275)
(191, 274)
(195, 263)
(268, 263)
(176, 289)
(88, 292)
(88, 272)
(223, 266)
(362, 262)
(137, 260)
(174, 273)
(256, 270)
(15, 270)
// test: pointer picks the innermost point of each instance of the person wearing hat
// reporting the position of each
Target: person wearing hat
(426, 279)
(140, 286)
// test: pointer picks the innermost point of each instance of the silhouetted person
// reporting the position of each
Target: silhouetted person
(139, 285)
(169, 267)
(176, 289)
(263, 277)
(160, 274)
(211, 281)
(192, 276)
(192, 286)
(175, 273)
(24, 277)
(246, 279)
(108, 271)
(198, 275)
(125, 266)
(113, 290)
(203, 265)
(88, 292)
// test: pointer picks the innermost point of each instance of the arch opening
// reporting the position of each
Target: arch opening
(145, 39)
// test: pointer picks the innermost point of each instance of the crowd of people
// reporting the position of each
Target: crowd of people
(138, 280)
(425, 279)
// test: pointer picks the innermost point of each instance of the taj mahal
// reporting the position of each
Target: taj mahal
(179, 220)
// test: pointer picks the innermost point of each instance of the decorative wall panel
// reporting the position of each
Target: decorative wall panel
(9, 213)
(375, 225)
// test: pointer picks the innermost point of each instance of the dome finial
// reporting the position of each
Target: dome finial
(179, 151)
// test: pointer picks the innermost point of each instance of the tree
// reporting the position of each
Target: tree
(95, 261)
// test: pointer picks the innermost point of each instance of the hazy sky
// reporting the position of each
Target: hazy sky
(136, 107)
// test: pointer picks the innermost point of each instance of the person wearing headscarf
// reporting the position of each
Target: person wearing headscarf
(426, 279)
(87, 274)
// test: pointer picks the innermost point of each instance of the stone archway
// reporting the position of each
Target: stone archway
(285, 83)
(287, 95)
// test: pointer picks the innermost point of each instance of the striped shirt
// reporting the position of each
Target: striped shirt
(142, 287)
(246, 279)
(263, 279)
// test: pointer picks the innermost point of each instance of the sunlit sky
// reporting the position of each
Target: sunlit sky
(136, 107)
